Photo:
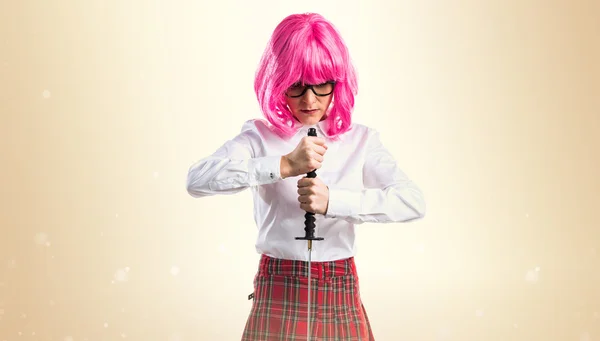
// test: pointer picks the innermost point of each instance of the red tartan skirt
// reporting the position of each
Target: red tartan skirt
(279, 307)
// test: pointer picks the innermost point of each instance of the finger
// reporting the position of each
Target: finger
(307, 208)
(304, 190)
(317, 156)
(315, 183)
(306, 182)
(314, 155)
(312, 142)
(308, 199)
(320, 150)
(314, 164)
(316, 140)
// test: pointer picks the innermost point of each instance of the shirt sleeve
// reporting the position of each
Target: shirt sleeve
(388, 194)
(233, 167)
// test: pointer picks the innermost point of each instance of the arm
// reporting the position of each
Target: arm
(388, 194)
(233, 167)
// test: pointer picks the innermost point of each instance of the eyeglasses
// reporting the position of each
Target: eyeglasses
(298, 90)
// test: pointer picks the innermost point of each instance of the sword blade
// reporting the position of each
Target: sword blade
(309, 281)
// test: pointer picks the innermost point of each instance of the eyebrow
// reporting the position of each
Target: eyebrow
(300, 83)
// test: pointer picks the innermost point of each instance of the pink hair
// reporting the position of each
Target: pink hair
(309, 49)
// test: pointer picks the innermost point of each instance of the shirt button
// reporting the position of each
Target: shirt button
(271, 175)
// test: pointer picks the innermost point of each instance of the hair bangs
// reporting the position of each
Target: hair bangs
(313, 62)
(317, 65)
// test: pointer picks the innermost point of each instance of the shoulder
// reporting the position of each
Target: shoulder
(363, 132)
(257, 133)
(364, 137)
(258, 126)
(361, 128)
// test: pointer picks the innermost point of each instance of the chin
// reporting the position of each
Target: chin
(310, 122)
(313, 120)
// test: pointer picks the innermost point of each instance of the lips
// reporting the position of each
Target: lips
(309, 112)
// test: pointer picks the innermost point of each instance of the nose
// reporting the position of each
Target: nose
(309, 96)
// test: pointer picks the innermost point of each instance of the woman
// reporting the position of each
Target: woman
(306, 80)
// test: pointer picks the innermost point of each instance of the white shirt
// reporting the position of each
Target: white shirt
(365, 185)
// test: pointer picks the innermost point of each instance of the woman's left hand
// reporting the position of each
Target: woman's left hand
(313, 195)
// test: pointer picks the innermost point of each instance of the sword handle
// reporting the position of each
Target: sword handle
(309, 222)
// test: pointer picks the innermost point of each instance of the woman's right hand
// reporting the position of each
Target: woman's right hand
(306, 157)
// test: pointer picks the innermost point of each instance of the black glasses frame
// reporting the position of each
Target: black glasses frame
(310, 86)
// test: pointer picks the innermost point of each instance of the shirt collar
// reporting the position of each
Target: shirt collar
(322, 130)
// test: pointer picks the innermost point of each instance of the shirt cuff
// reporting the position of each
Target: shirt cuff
(265, 170)
(343, 203)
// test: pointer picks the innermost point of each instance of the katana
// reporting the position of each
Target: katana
(309, 228)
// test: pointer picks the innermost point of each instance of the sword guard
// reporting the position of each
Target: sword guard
(309, 228)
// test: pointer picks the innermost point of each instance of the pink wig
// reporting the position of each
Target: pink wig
(305, 48)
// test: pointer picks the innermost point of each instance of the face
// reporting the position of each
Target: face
(309, 108)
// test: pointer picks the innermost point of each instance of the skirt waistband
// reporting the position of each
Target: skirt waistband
(298, 268)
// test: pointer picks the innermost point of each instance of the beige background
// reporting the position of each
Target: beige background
(492, 108)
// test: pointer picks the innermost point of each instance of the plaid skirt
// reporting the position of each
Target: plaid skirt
(279, 307)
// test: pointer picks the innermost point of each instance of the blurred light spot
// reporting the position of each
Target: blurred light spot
(68, 338)
(443, 334)
(516, 325)
(123, 335)
(51, 302)
(526, 215)
(585, 336)
(155, 175)
(479, 312)
(12, 263)
(41, 238)
(532, 276)
(117, 215)
(174, 270)
(175, 337)
(222, 248)
(121, 275)
(105, 325)
(46, 94)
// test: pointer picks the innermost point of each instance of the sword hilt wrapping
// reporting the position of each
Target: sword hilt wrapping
(309, 222)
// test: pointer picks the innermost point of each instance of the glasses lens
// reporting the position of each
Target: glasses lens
(323, 89)
(295, 90)
(320, 89)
